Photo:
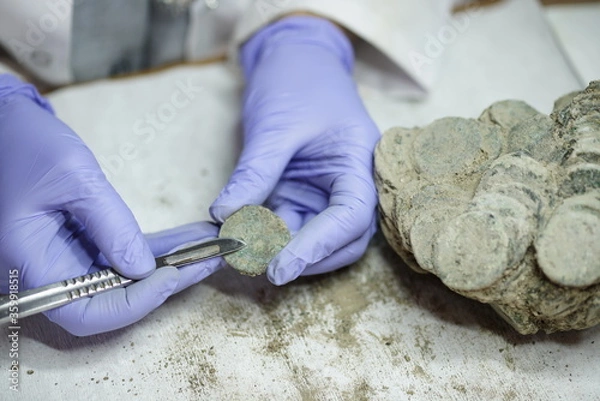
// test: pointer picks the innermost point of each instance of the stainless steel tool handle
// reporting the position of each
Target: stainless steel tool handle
(54, 295)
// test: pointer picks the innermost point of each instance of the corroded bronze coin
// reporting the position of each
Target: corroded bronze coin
(264, 233)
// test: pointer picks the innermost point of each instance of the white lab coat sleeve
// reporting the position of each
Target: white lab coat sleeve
(38, 35)
(401, 41)
(211, 27)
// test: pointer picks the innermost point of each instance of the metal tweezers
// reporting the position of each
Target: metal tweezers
(61, 293)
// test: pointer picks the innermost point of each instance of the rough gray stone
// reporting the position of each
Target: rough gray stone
(504, 209)
(264, 233)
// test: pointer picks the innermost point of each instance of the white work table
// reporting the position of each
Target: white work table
(372, 331)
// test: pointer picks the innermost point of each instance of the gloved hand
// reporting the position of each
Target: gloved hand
(60, 218)
(308, 146)
(124, 306)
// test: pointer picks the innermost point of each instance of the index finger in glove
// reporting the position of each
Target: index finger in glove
(260, 167)
(173, 239)
(163, 242)
(176, 238)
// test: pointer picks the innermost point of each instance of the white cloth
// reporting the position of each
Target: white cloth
(394, 36)
(400, 42)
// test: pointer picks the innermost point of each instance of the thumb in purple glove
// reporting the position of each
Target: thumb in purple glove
(120, 307)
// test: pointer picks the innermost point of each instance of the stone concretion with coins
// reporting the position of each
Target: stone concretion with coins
(504, 209)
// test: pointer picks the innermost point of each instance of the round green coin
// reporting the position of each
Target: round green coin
(264, 233)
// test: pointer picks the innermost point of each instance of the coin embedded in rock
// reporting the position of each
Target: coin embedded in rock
(264, 233)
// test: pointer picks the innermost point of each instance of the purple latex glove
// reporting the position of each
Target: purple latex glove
(308, 146)
(59, 217)
(124, 306)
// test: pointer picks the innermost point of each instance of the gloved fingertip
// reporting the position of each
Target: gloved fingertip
(215, 265)
(242, 190)
(101, 260)
(193, 274)
(69, 322)
(219, 211)
(166, 280)
(222, 264)
(136, 261)
(284, 268)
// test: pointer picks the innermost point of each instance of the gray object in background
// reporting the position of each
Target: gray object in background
(504, 209)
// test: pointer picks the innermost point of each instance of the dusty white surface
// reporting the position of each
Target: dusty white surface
(375, 331)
